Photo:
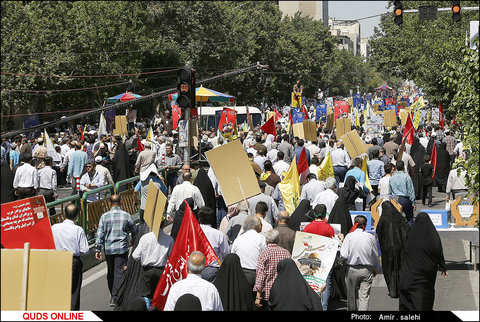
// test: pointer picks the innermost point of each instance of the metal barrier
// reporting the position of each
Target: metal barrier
(59, 217)
(90, 212)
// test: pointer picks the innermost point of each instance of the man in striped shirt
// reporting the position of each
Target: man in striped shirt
(267, 268)
(113, 232)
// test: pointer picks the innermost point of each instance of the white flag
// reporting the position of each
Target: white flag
(102, 126)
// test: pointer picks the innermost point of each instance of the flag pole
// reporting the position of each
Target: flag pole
(243, 195)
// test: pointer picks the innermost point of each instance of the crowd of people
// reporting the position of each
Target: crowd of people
(253, 239)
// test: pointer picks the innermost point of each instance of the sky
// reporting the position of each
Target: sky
(353, 10)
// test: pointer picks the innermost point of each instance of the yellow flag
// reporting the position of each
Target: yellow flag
(357, 118)
(364, 169)
(416, 119)
(325, 169)
(418, 104)
(150, 134)
(290, 188)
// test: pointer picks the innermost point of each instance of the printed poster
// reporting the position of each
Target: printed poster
(314, 256)
(26, 221)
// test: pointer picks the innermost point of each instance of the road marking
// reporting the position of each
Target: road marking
(95, 276)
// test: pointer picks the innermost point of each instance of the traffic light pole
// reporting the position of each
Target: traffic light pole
(441, 9)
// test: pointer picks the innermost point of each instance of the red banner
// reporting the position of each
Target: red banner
(176, 115)
(340, 107)
(228, 116)
(190, 238)
(26, 221)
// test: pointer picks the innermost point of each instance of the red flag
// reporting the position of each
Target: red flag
(190, 238)
(440, 114)
(176, 115)
(81, 134)
(140, 146)
(433, 158)
(454, 120)
(290, 118)
(277, 115)
(269, 127)
(302, 163)
(304, 111)
(408, 131)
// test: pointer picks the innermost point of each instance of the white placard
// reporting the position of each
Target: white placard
(436, 219)
(465, 211)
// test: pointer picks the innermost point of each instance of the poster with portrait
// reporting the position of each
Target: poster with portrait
(435, 118)
(314, 256)
(374, 125)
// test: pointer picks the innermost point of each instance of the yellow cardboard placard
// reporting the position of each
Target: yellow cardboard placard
(49, 280)
(343, 126)
(354, 144)
(233, 171)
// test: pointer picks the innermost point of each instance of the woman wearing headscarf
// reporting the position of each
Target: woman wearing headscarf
(120, 163)
(188, 302)
(8, 194)
(392, 229)
(291, 292)
(268, 141)
(340, 214)
(232, 285)
(180, 213)
(442, 168)
(301, 214)
(349, 192)
(131, 284)
(417, 152)
(204, 184)
(422, 258)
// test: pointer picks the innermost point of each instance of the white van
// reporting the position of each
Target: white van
(206, 114)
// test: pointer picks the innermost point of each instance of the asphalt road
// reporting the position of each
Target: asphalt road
(458, 292)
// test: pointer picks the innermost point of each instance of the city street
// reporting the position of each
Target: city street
(458, 292)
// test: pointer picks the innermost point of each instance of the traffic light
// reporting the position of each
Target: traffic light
(398, 12)
(186, 88)
(456, 11)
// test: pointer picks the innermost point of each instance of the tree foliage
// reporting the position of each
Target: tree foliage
(144, 38)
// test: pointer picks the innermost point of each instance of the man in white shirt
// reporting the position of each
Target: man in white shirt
(217, 240)
(272, 212)
(184, 191)
(327, 197)
(153, 254)
(25, 180)
(312, 188)
(340, 161)
(194, 284)
(359, 249)
(70, 237)
(91, 180)
(280, 166)
(248, 246)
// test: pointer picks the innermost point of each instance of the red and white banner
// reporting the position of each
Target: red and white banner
(190, 238)
(26, 221)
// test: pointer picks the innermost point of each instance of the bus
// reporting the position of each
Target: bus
(207, 119)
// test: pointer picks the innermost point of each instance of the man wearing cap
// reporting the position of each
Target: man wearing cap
(39, 154)
(47, 181)
(145, 158)
(100, 168)
(151, 173)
